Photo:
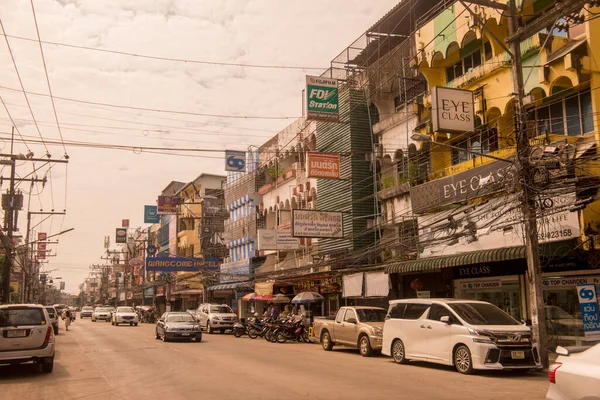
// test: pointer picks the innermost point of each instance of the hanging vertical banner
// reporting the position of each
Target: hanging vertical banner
(121, 235)
(151, 215)
(235, 161)
(42, 236)
(322, 99)
(41, 251)
(588, 304)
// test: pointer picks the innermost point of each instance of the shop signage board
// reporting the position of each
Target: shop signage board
(570, 281)
(235, 161)
(179, 264)
(235, 271)
(469, 184)
(322, 99)
(121, 235)
(322, 165)
(167, 205)
(317, 224)
(149, 292)
(452, 110)
(588, 303)
(277, 239)
(494, 224)
(423, 294)
(151, 215)
(482, 285)
(125, 223)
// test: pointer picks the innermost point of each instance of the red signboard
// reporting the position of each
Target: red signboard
(125, 223)
(41, 253)
(323, 165)
(42, 236)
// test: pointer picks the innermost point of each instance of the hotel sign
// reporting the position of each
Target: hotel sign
(323, 165)
(452, 110)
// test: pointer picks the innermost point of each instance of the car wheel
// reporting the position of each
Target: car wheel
(462, 360)
(326, 341)
(209, 330)
(48, 367)
(56, 330)
(157, 336)
(399, 352)
(93, 320)
(198, 339)
(135, 324)
(222, 331)
(164, 338)
(364, 346)
(112, 322)
(131, 324)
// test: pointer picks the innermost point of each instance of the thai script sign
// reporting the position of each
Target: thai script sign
(322, 99)
(235, 271)
(177, 264)
(277, 239)
(588, 303)
(167, 205)
(452, 110)
(322, 165)
(317, 224)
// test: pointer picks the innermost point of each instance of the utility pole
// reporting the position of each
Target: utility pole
(9, 225)
(532, 248)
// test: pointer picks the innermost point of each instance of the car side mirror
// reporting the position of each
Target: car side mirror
(161, 320)
(351, 320)
(446, 319)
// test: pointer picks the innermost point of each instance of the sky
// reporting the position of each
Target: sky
(122, 100)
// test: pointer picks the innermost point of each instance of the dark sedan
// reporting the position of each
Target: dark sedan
(178, 326)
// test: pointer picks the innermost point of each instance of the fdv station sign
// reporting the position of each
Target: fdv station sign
(322, 99)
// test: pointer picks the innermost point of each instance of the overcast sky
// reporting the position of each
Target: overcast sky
(100, 187)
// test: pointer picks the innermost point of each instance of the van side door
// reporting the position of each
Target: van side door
(439, 334)
(413, 330)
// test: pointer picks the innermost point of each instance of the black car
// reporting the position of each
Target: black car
(178, 326)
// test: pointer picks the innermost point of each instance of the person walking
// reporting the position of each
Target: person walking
(67, 318)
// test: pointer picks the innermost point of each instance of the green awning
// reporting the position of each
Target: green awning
(456, 260)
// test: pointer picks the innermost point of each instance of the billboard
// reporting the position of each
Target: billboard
(452, 110)
(167, 205)
(181, 264)
(322, 165)
(317, 224)
(277, 239)
(235, 271)
(322, 99)
(151, 215)
(588, 303)
(235, 161)
(120, 235)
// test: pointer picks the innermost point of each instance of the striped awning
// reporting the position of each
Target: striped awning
(456, 260)
(233, 285)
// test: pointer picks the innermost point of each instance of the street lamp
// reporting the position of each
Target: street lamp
(419, 137)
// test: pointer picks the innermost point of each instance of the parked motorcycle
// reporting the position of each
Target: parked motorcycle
(239, 330)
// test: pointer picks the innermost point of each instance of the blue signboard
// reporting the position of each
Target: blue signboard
(151, 249)
(235, 161)
(149, 292)
(151, 215)
(235, 271)
(588, 303)
(181, 264)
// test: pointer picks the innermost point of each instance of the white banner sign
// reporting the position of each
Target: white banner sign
(570, 281)
(481, 285)
(276, 239)
(317, 224)
(494, 224)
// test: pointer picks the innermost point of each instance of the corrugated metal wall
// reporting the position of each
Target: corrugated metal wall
(353, 194)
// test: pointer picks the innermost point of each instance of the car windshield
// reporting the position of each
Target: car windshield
(102, 309)
(371, 315)
(87, 309)
(125, 310)
(221, 309)
(22, 316)
(50, 311)
(183, 317)
(482, 314)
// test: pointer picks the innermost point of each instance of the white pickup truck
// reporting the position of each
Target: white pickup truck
(358, 327)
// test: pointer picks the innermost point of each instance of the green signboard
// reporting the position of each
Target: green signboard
(322, 99)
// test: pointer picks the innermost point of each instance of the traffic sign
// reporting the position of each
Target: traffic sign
(235, 161)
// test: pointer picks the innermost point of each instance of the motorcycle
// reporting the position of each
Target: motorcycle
(291, 330)
(239, 330)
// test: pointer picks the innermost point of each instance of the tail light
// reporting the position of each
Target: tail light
(48, 335)
(552, 372)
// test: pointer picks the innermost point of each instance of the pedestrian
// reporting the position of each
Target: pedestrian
(274, 313)
(295, 309)
(67, 318)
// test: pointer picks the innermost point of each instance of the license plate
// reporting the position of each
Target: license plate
(16, 333)
(185, 334)
(517, 355)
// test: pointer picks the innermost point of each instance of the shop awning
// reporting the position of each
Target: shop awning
(566, 49)
(233, 285)
(188, 292)
(455, 260)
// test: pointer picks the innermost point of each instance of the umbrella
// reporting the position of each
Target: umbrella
(257, 297)
(280, 298)
(307, 297)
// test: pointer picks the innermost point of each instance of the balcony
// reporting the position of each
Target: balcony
(284, 177)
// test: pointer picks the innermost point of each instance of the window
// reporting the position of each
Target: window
(339, 317)
(350, 314)
(415, 311)
(483, 314)
(481, 142)
(19, 316)
(463, 65)
(371, 315)
(397, 310)
(571, 115)
(438, 311)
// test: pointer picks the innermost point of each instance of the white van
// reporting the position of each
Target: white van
(468, 334)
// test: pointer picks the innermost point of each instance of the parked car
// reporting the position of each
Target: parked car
(101, 314)
(216, 317)
(468, 334)
(124, 315)
(59, 309)
(53, 318)
(575, 374)
(26, 335)
(358, 327)
(178, 325)
(86, 312)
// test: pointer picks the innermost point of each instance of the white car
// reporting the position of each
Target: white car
(101, 314)
(575, 374)
(468, 334)
(26, 335)
(124, 315)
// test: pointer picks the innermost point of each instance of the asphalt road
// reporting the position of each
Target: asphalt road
(99, 361)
